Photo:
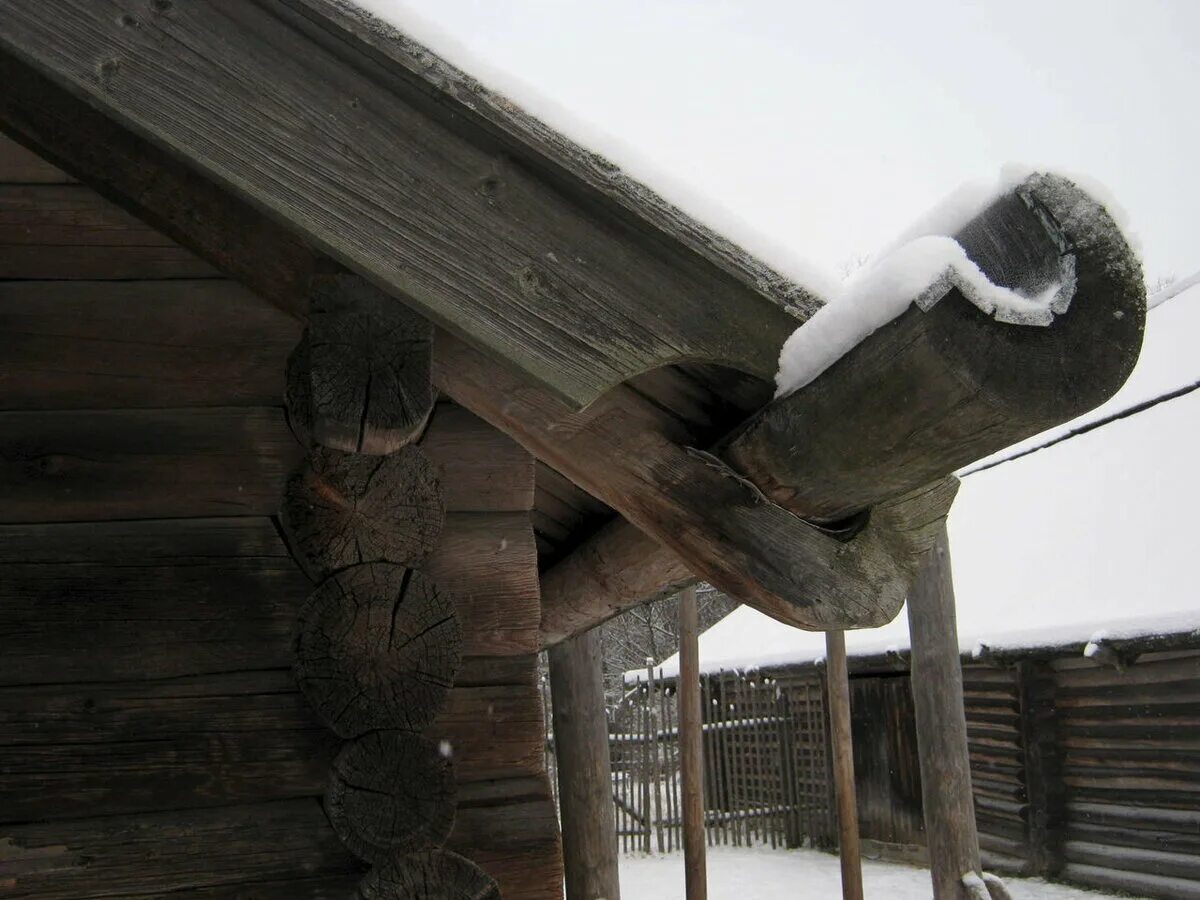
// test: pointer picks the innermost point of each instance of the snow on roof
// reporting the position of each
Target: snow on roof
(1092, 534)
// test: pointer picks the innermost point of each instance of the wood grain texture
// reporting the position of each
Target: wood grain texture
(121, 344)
(492, 731)
(488, 563)
(96, 465)
(432, 874)
(359, 380)
(345, 509)
(147, 599)
(377, 647)
(936, 389)
(570, 293)
(390, 792)
(585, 785)
(19, 165)
(69, 231)
(937, 683)
(718, 524)
(482, 468)
(207, 850)
(192, 596)
(154, 186)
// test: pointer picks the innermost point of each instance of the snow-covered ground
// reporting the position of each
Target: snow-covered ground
(759, 873)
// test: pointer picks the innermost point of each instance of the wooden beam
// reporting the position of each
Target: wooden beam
(941, 387)
(837, 682)
(589, 830)
(922, 396)
(1045, 790)
(691, 748)
(377, 165)
(692, 503)
(937, 686)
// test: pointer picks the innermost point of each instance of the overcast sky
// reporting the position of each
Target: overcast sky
(830, 126)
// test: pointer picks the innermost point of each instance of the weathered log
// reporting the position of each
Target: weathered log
(431, 875)
(837, 685)
(691, 749)
(345, 509)
(950, 827)
(377, 647)
(482, 468)
(938, 388)
(390, 792)
(359, 379)
(1043, 770)
(584, 770)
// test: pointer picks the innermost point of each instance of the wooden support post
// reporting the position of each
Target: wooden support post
(691, 748)
(589, 829)
(942, 727)
(838, 686)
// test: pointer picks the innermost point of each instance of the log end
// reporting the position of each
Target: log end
(433, 875)
(390, 792)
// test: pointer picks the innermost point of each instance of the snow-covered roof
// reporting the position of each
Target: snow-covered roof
(1092, 534)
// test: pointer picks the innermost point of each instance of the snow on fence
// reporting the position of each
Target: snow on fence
(766, 764)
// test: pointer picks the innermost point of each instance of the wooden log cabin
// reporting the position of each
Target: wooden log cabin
(334, 387)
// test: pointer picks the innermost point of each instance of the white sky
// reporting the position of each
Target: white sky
(830, 126)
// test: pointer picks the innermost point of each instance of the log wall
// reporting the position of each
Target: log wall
(152, 738)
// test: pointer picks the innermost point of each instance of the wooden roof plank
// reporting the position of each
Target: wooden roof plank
(263, 102)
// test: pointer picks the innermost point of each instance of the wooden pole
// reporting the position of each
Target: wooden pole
(691, 748)
(589, 831)
(942, 727)
(838, 681)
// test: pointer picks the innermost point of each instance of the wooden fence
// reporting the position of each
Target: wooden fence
(766, 764)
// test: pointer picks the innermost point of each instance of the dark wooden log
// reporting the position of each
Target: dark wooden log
(837, 683)
(559, 279)
(691, 749)
(492, 731)
(1046, 818)
(345, 509)
(359, 380)
(96, 465)
(390, 792)
(431, 875)
(377, 647)
(589, 830)
(156, 344)
(936, 389)
(482, 468)
(169, 598)
(67, 231)
(950, 828)
(225, 850)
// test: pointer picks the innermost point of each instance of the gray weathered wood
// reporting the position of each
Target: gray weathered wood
(390, 792)
(937, 684)
(153, 185)
(837, 682)
(937, 389)
(344, 509)
(483, 469)
(377, 647)
(1044, 787)
(359, 379)
(615, 569)
(691, 749)
(432, 874)
(589, 831)
(719, 525)
(565, 287)
(122, 344)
